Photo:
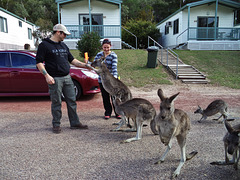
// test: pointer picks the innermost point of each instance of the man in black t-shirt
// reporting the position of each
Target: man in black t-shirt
(56, 56)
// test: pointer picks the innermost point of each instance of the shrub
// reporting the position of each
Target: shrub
(142, 29)
(89, 42)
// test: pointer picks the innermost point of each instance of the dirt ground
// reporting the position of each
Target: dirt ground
(29, 150)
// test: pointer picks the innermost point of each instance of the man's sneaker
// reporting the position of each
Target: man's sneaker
(56, 129)
(79, 126)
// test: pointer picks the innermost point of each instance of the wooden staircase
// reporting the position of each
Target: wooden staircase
(185, 73)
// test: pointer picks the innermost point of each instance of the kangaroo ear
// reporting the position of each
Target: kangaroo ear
(173, 97)
(228, 127)
(160, 94)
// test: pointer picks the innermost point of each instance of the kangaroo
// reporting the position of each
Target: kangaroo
(112, 85)
(217, 106)
(172, 123)
(115, 87)
(231, 146)
(139, 110)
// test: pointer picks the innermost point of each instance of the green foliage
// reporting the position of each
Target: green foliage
(89, 42)
(43, 13)
(151, 10)
(142, 29)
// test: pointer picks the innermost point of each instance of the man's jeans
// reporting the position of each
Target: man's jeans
(63, 85)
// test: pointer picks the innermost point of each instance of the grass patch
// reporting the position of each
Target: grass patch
(221, 67)
(133, 70)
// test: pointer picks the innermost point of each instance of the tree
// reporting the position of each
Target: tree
(43, 13)
(142, 29)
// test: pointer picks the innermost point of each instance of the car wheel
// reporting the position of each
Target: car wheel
(77, 89)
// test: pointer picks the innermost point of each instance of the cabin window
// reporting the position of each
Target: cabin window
(237, 17)
(166, 29)
(176, 26)
(205, 30)
(20, 23)
(30, 33)
(207, 21)
(97, 22)
(3, 24)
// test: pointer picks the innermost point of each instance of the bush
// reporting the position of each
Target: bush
(89, 42)
(142, 29)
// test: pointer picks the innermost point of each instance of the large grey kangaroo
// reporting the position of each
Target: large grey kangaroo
(172, 123)
(231, 145)
(114, 86)
(139, 110)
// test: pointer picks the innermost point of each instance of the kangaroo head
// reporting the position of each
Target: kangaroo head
(116, 100)
(98, 62)
(199, 110)
(167, 105)
(232, 139)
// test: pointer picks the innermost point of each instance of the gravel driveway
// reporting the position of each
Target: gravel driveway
(29, 149)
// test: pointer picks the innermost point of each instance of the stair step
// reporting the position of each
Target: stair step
(191, 77)
(197, 74)
(194, 81)
(185, 70)
(186, 73)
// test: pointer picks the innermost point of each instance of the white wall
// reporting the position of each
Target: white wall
(70, 12)
(16, 36)
(224, 13)
(111, 16)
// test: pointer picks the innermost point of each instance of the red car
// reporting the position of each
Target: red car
(19, 76)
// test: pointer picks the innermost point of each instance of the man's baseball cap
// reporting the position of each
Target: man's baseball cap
(60, 27)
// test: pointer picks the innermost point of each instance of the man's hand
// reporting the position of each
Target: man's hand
(49, 79)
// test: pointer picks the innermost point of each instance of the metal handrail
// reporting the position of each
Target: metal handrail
(176, 56)
(180, 35)
(155, 42)
(169, 51)
(131, 34)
